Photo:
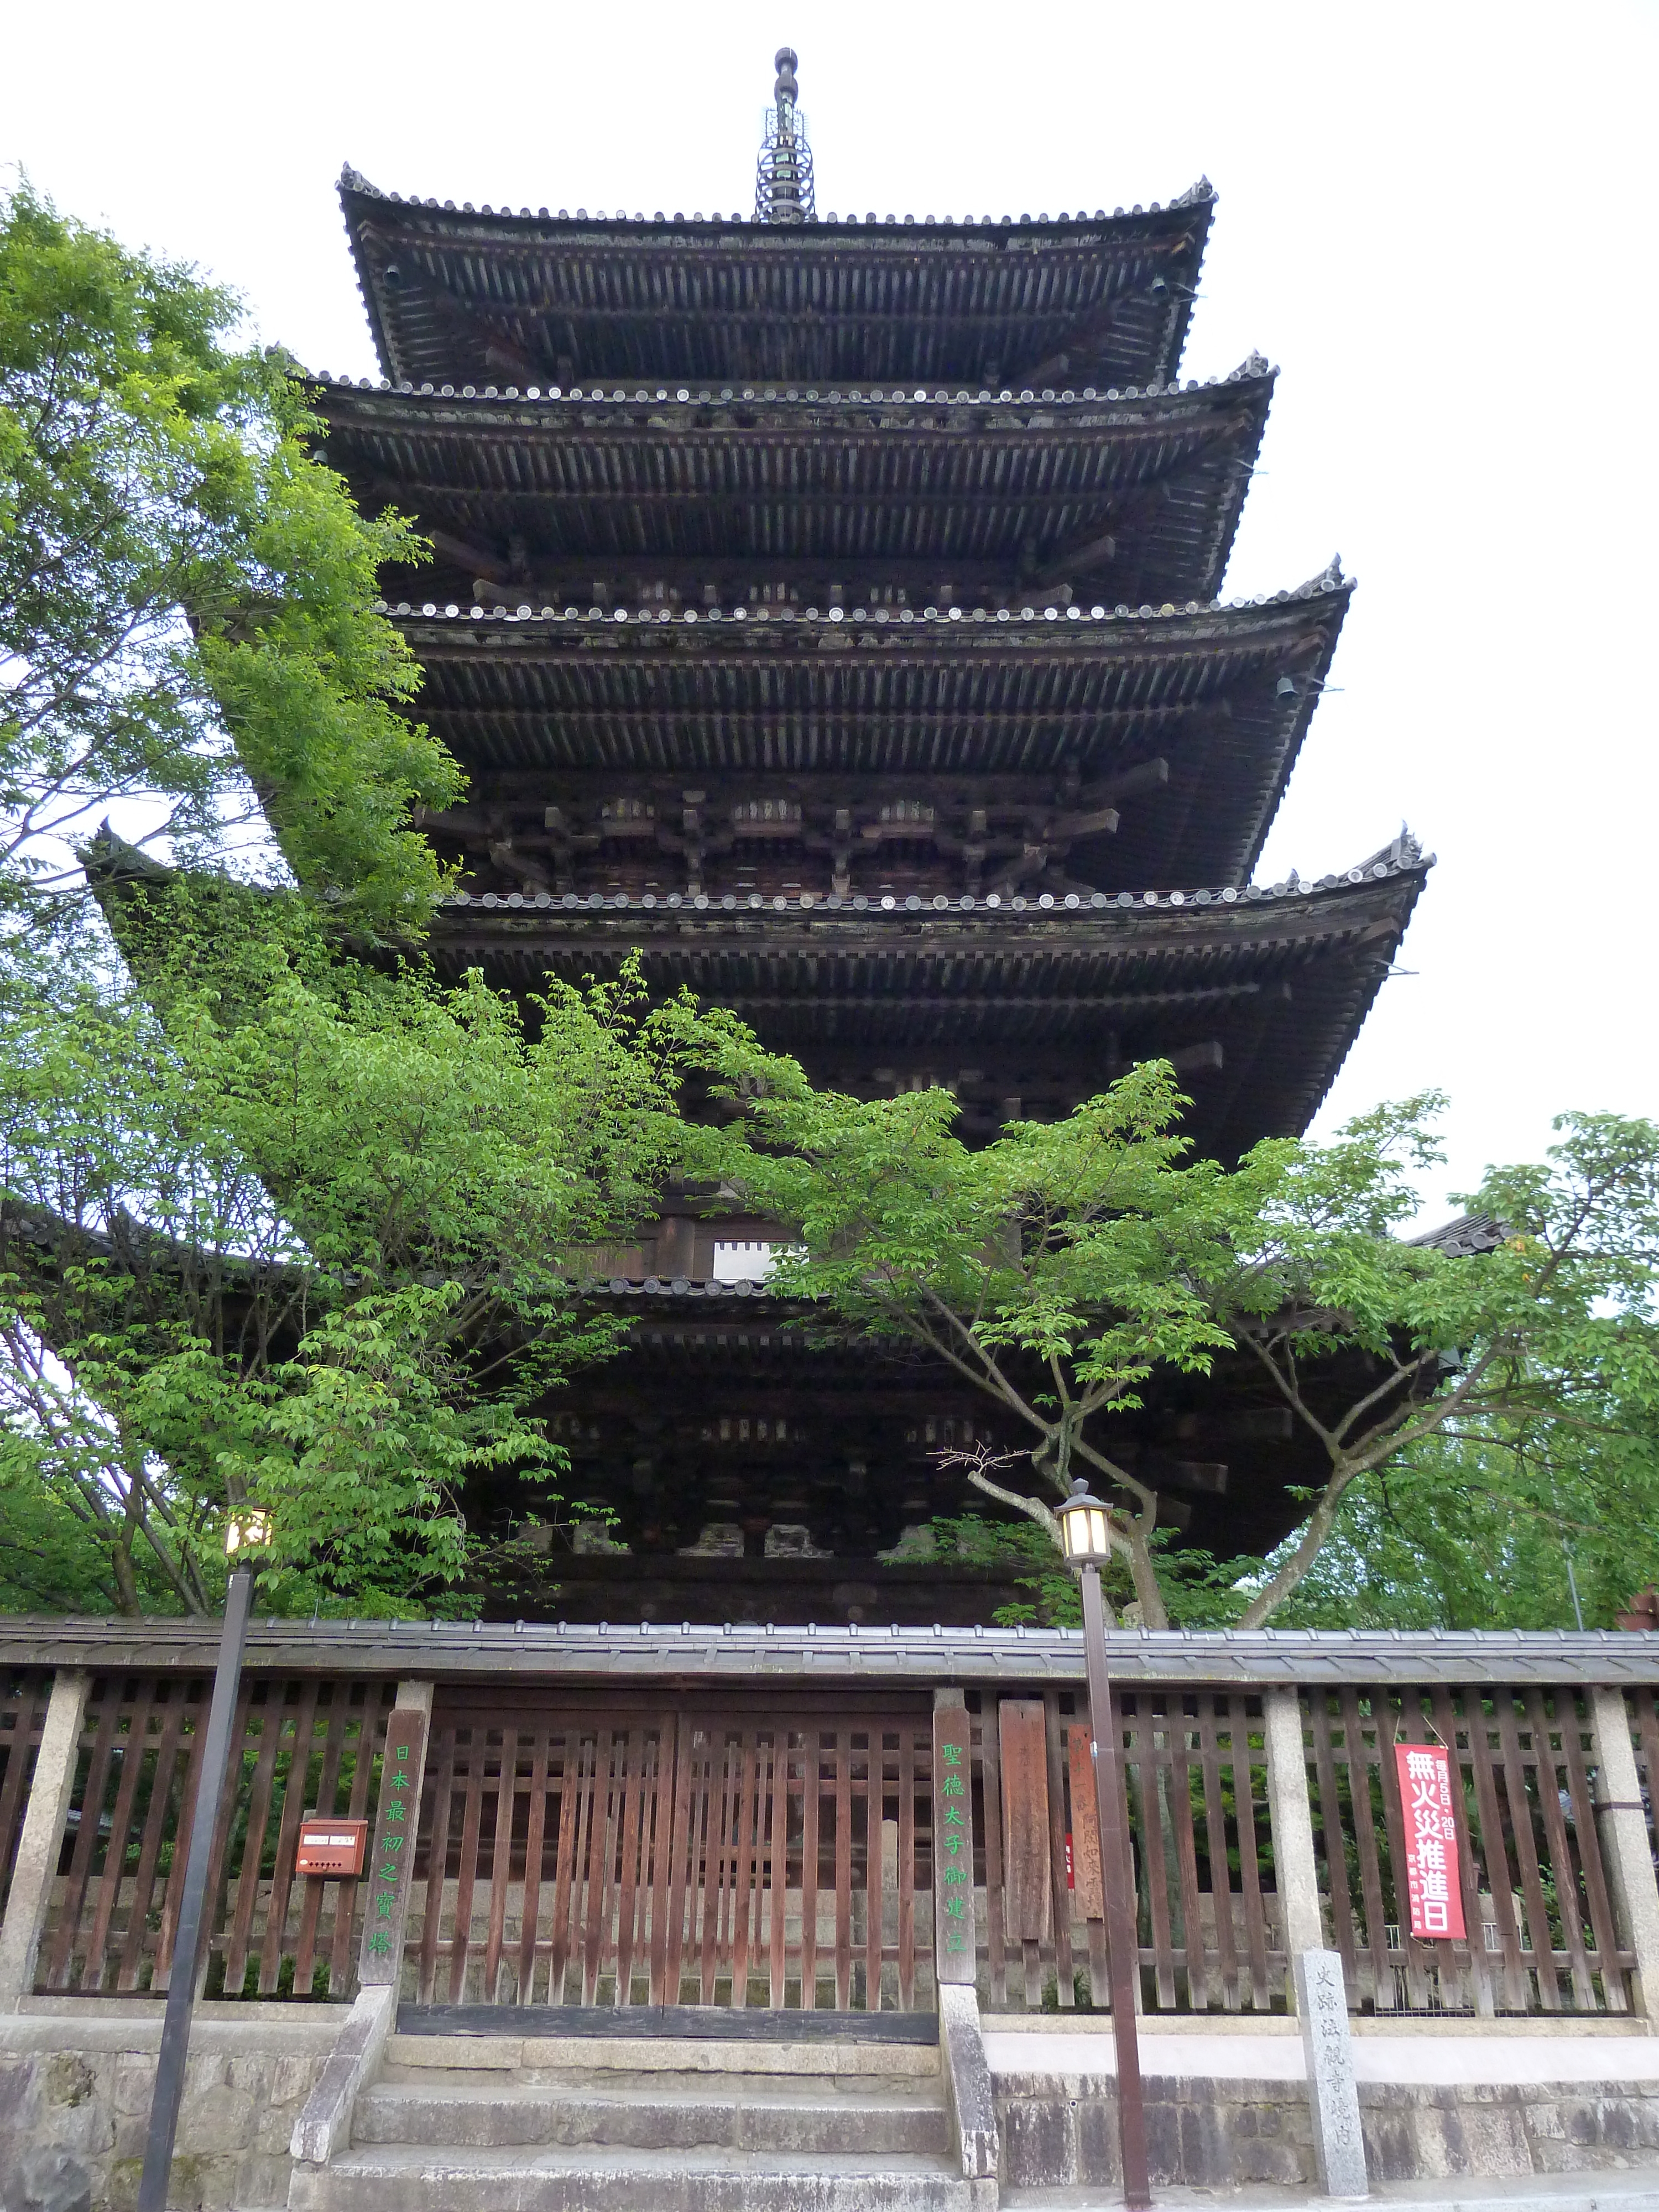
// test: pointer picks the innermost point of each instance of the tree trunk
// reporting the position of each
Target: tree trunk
(1321, 1521)
(1154, 1614)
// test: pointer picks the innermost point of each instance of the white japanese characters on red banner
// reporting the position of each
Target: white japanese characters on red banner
(1425, 1795)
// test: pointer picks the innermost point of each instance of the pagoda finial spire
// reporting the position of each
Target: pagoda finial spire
(783, 175)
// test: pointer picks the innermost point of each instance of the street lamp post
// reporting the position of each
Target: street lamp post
(1083, 1533)
(243, 1535)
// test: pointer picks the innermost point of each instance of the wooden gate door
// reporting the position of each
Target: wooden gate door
(609, 1851)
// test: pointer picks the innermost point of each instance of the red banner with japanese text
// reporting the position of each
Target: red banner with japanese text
(1431, 1879)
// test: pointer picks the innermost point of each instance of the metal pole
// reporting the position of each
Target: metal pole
(181, 1988)
(1117, 1879)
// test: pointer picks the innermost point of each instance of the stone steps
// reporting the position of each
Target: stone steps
(654, 2111)
(610, 2128)
(418, 2177)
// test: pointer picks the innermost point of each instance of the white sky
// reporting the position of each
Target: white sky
(1435, 218)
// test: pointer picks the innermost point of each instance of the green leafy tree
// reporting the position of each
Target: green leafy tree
(187, 623)
(310, 1238)
(1062, 1268)
(1537, 1356)
(1548, 1527)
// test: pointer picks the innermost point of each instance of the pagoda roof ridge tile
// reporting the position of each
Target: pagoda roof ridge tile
(607, 392)
(1329, 583)
(1200, 194)
(1405, 856)
(1465, 1235)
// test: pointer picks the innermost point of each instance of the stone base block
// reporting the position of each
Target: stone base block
(1060, 2133)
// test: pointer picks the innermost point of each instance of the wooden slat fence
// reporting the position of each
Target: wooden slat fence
(306, 1745)
(1212, 1936)
(639, 1847)
(1535, 1895)
(24, 1693)
(700, 1854)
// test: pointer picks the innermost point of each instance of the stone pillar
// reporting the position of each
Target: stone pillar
(1317, 1988)
(1322, 2004)
(392, 1863)
(1296, 1868)
(1626, 1841)
(968, 2092)
(37, 1846)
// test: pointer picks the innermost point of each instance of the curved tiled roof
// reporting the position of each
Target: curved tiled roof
(1271, 985)
(1222, 693)
(1468, 1235)
(452, 291)
(1139, 492)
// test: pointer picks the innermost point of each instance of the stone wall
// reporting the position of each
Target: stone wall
(76, 2079)
(80, 2085)
(1061, 2129)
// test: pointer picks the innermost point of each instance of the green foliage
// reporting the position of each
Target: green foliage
(1466, 1531)
(1062, 1266)
(1540, 1354)
(186, 598)
(309, 1238)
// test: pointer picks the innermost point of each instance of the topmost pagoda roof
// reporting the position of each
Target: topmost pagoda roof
(472, 293)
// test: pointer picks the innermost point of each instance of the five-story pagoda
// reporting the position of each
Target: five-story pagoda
(827, 607)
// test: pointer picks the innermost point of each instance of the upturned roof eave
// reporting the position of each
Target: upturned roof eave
(1158, 226)
(1300, 626)
(988, 449)
(943, 474)
(1194, 915)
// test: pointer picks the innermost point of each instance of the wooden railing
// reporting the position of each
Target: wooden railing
(654, 1842)
(1198, 1803)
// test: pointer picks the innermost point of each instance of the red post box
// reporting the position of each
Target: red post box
(331, 1847)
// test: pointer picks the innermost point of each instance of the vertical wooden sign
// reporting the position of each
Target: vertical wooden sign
(955, 1942)
(1027, 1857)
(1089, 1892)
(392, 1862)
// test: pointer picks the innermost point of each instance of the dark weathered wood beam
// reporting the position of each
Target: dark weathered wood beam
(1197, 1059)
(1040, 722)
(1248, 1425)
(1005, 793)
(1074, 561)
(1149, 776)
(486, 561)
(1206, 1058)
(758, 500)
